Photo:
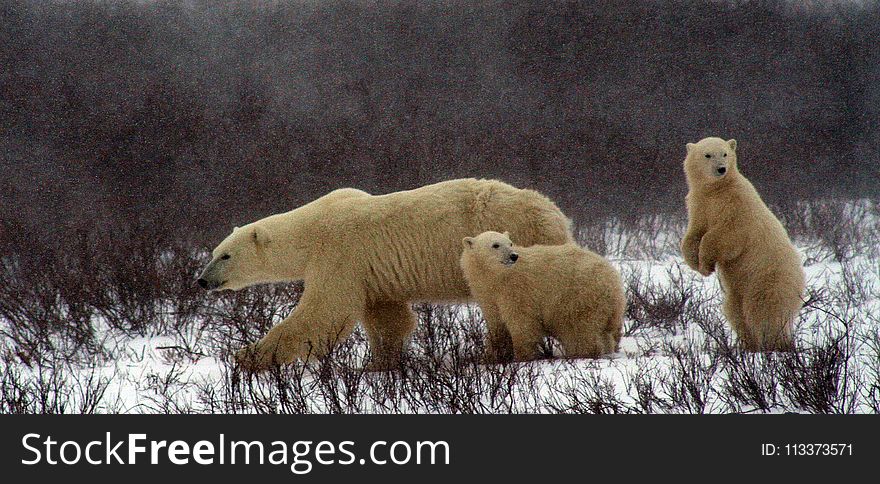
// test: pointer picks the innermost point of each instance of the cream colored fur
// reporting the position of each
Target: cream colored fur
(562, 291)
(731, 229)
(365, 258)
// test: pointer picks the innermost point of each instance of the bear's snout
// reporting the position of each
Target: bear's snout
(721, 170)
(208, 279)
(209, 285)
(514, 256)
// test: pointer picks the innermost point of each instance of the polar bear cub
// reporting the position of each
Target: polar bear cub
(527, 293)
(731, 231)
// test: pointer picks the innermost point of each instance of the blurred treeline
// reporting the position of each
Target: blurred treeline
(182, 119)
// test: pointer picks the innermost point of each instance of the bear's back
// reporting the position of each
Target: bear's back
(408, 243)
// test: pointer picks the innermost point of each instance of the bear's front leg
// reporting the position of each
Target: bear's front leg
(716, 247)
(690, 248)
(526, 335)
(499, 346)
(310, 331)
(707, 258)
(279, 346)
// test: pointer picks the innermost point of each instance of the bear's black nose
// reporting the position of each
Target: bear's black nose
(722, 170)
(203, 283)
(514, 256)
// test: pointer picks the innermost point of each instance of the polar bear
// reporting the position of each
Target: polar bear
(562, 291)
(731, 229)
(365, 258)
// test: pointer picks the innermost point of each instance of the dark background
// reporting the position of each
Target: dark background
(181, 121)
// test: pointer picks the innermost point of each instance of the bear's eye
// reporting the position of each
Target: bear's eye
(725, 155)
(708, 155)
(224, 257)
(495, 246)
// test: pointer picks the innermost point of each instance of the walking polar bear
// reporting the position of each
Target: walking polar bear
(527, 293)
(731, 229)
(365, 258)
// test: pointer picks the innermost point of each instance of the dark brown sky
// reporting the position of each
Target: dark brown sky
(214, 114)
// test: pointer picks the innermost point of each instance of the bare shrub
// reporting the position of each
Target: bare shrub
(834, 229)
(651, 305)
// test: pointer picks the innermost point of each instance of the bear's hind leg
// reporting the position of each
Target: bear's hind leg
(388, 325)
(770, 321)
(586, 345)
(586, 333)
(734, 312)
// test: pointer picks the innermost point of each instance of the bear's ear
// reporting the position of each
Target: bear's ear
(506, 234)
(260, 236)
(732, 144)
(690, 146)
(467, 242)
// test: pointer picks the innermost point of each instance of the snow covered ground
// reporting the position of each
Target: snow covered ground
(677, 356)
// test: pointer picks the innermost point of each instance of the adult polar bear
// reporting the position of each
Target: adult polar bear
(366, 258)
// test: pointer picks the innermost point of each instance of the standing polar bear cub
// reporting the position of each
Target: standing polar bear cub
(527, 293)
(365, 258)
(731, 229)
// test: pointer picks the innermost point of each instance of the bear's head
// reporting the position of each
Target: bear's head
(239, 261)
(710, 161)
(491, 247)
